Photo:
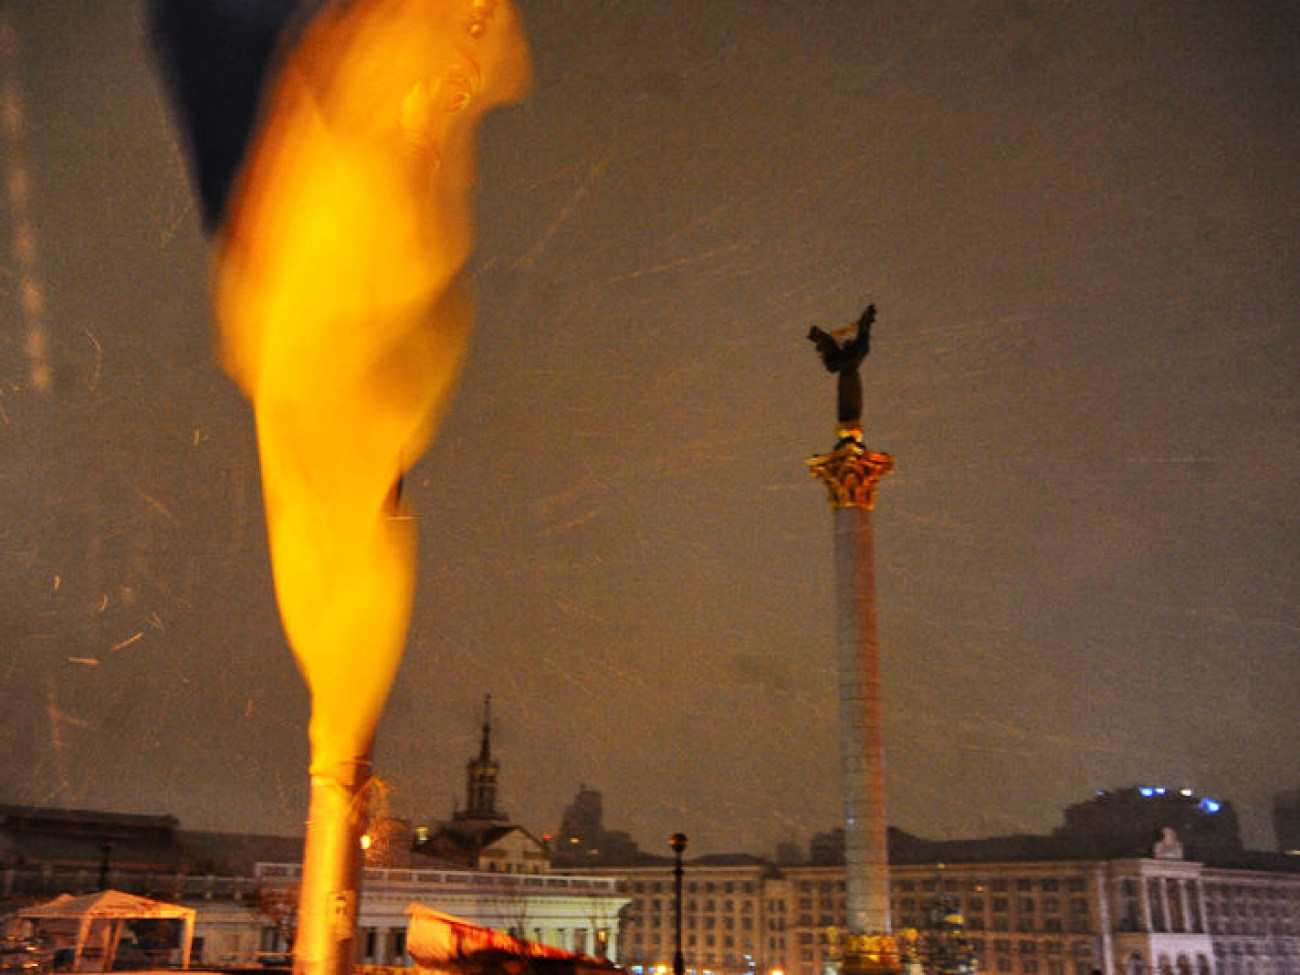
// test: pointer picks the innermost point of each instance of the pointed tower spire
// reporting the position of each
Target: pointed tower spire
(481, 776)
(485, 749)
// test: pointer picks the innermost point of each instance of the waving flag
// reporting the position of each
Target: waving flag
(216, 58)
(332, 144)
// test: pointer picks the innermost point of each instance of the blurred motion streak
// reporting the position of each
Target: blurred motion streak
(18, 186)
(335, 165)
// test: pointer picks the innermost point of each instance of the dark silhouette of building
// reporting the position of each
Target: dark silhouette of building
(1286, 821)
(583, 840)
(1121, 822)
(92, 849)
(480, 836)
(481, 779)
(582, 830)
(828, 847)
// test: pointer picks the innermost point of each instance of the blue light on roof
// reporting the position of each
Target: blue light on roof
(1209, 805)
(1147, 791)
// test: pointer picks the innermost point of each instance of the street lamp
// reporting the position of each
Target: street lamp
(678, 843)
(105, 854)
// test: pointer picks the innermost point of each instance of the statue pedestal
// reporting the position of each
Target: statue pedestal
(870, 954)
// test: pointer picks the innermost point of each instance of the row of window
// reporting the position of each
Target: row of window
(691, 905)
(691, 941)
(708, 923)
(693, 887)
(1002, 905)
(1282, 895)
(977, 884)
(1030, 966)
(1026, 946)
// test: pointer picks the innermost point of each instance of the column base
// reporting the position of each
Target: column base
(870, 954)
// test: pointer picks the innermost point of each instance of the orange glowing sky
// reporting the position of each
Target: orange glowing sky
(1078, 222)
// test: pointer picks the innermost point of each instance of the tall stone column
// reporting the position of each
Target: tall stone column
(1109, 900)
(1144, 903)
(851, 473)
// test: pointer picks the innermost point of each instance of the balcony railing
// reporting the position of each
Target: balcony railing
(377, 878)
(23, 884)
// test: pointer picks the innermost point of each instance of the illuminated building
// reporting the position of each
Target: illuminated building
(577, 914)
(243, 886)
(1032, 904)
(480, 836)
(732, 915)
(1072, 902)
(478, 866)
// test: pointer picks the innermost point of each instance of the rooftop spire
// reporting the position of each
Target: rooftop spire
(485, 749)
(481, 776)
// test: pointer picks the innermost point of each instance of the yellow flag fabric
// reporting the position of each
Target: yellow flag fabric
(344, 318)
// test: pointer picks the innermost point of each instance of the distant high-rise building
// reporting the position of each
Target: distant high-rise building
(581, 830)
(1120, 822)
(826, 848)
(1286, 821)
(583, 841)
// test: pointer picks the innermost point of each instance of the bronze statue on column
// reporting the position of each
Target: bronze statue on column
(842, 353)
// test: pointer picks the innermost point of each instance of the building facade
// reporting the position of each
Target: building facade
(480, 836)
(1156, 915)
(732, 916)
(578, 914)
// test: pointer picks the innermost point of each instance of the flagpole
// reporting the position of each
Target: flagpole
(331, 870)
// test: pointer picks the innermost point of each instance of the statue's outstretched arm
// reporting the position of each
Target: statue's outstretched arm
(861, 344)
(827, 347)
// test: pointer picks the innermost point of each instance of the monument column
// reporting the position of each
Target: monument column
(851, 473)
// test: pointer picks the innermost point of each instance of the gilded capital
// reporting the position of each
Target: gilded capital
(851, 471)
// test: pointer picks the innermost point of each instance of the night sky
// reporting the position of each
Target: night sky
(1078, 220)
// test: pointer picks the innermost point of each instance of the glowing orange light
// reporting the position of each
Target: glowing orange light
(344, 318)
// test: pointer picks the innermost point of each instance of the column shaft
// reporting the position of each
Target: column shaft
(866, 852)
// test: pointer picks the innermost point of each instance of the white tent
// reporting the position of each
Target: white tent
(98, 920)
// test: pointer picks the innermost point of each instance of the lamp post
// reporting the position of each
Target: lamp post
(105, 854)
(678, 843)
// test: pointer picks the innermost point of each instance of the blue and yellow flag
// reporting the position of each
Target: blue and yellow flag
(216, 58)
